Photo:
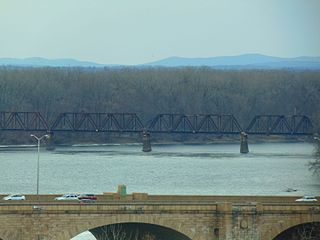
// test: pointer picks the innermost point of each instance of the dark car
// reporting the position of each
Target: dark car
(87, 197)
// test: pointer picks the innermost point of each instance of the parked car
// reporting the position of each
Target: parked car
(15, 197)
(307, 199)
(87, 197)
(69, 196)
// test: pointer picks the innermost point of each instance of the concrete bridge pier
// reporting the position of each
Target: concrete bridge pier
(244, 143)
(146, 142)
(50, 146)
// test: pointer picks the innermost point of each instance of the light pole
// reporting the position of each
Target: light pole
(38, 162)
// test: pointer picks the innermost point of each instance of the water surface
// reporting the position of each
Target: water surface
(269, 169)
(208, 169)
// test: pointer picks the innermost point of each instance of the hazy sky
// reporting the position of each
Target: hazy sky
(132, 32)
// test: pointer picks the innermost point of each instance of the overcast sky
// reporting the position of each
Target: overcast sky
(140, 31)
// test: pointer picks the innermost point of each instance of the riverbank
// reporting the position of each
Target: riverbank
(69, 139)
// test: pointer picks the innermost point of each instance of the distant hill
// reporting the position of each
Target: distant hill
(246, 61)
(43, 62)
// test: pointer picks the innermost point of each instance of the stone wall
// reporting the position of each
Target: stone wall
(197, 217)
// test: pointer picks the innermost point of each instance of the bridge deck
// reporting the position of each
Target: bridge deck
(163, 199)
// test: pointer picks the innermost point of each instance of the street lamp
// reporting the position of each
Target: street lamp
(39, 139)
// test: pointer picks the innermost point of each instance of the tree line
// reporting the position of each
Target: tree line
(150, 91)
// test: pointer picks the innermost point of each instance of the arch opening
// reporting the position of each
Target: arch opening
(305, 231)
(135, 231)
(86, 235)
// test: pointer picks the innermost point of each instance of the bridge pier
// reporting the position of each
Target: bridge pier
(50, 146)
(146, 142)
(244, 143)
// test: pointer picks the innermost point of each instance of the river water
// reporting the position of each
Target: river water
(209, 169)
(206, 169)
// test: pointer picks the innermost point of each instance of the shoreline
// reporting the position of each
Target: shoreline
(163, 143)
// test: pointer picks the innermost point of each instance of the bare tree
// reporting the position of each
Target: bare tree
(314, 166)
(149, 236)
(309, 232)
(116, 232)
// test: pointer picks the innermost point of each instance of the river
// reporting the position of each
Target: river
(206, 169)
(268, 169)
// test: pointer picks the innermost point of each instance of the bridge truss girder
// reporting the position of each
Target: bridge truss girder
(161, 123)
(280, 125)
(97, 122)
(200, 123)
(25, 121)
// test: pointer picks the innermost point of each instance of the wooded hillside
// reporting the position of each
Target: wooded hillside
(149, 91)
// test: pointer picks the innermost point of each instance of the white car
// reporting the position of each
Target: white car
(70, 196)
(307, 199)
(15, 197)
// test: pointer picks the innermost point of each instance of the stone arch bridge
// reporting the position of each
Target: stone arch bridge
(189, 217)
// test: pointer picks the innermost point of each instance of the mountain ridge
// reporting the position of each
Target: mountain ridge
(45, 62)
(244, 61)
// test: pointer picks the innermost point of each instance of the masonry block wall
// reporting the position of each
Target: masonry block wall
(197, 220)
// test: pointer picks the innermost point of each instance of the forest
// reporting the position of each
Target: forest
(148, 91)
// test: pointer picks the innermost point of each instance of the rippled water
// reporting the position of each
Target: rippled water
(269, 169)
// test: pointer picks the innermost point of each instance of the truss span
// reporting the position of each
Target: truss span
(280, 125)
(161, 123)
(180, 123)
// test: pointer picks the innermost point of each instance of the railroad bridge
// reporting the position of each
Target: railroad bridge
(160, 123)
(172, 217)
(218, 124)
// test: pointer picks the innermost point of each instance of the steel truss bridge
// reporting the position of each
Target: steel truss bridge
(161, 123)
